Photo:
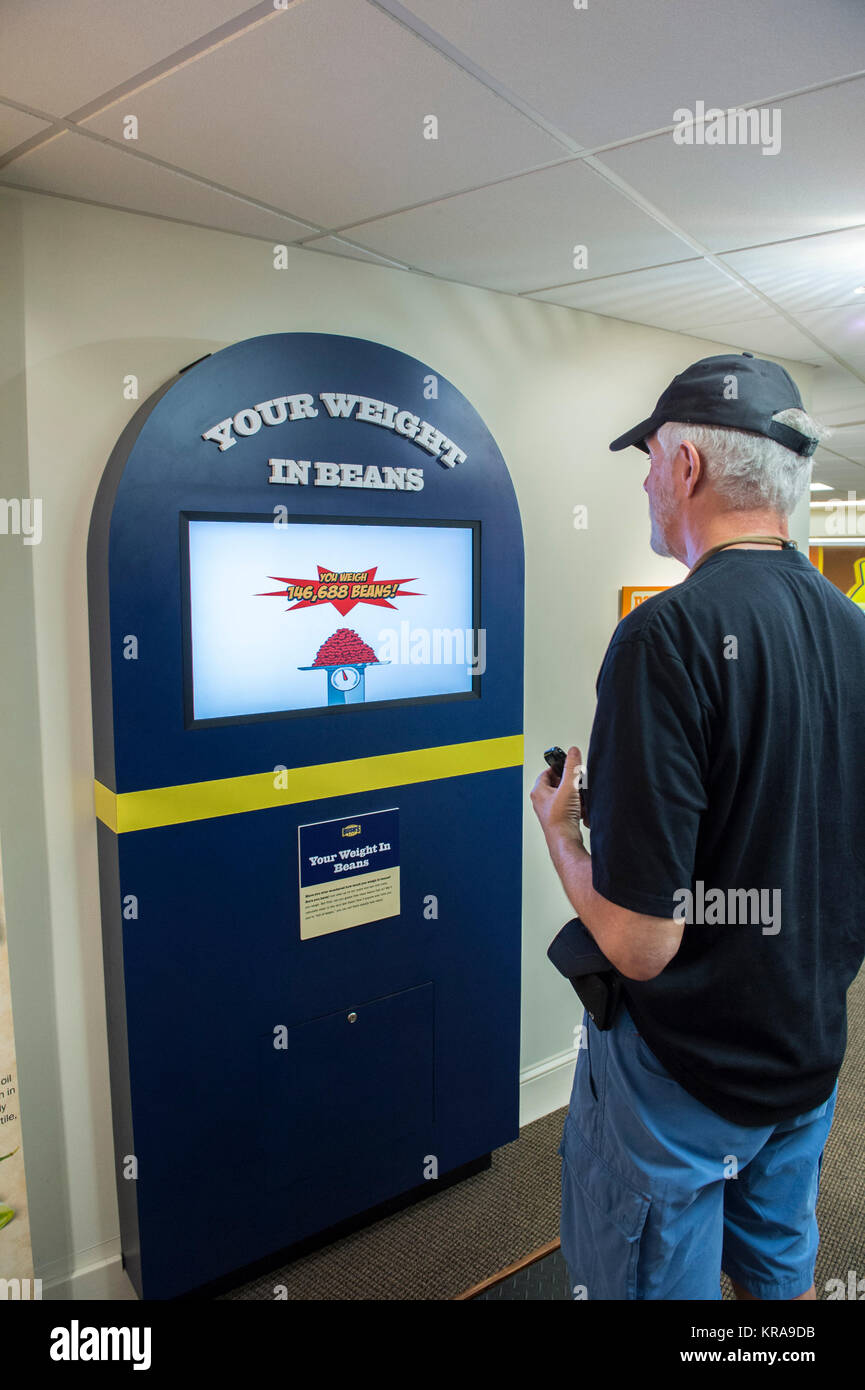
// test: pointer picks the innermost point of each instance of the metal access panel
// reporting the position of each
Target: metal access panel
(305, 576)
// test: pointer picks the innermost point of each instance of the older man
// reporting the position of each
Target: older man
(724, 768)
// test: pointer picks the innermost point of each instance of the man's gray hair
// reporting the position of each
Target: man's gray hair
(747, 469)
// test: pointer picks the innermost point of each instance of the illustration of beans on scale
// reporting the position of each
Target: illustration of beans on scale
(6, 1213)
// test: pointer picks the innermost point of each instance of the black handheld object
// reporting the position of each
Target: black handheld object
(578, 957)
(555, 758)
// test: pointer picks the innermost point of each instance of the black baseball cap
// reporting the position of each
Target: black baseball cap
(702, 395)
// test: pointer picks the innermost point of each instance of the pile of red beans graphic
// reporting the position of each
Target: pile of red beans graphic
(344, 647)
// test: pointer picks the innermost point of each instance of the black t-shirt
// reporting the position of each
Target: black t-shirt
(728, 753)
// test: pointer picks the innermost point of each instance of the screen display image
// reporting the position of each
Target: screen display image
(283, 617)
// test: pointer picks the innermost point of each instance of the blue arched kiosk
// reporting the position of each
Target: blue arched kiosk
(309, 798)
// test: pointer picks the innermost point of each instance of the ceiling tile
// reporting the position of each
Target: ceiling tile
(842, 329)
(835, 393)
(16, 127)
(92, 171)
(665, 296)
(323, 114)
(849, 440)
(614, 70)
(822, 471)
(61, 54)
(733, 196)
(335, 246)
(771, 335)
(842, 474)
(520, 235)
(808, 273)
(853, 414)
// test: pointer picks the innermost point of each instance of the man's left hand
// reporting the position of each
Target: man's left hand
(557, 805)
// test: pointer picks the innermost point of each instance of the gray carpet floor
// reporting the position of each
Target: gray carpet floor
(450, 1242)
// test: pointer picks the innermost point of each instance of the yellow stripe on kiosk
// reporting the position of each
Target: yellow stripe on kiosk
(259, 791)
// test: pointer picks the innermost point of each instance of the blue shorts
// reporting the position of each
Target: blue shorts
(659, 1194)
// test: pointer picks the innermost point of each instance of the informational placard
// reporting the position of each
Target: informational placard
(348, 872)
(16, 1260)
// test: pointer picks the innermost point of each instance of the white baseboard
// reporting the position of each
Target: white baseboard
(546, 1086)
(97, 1276)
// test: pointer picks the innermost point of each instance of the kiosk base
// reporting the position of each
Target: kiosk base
(280, 1258)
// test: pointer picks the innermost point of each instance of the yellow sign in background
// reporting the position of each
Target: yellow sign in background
(633, 595)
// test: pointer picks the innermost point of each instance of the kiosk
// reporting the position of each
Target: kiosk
(305, 576)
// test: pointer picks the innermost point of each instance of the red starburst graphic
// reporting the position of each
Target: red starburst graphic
(343, 588)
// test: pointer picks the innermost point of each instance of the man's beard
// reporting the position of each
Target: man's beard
(660, 514)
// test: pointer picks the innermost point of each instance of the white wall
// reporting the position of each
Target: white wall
(109, 293)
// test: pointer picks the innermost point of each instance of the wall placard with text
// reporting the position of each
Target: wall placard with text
(349, 872)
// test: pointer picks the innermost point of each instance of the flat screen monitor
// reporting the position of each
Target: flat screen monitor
(287, 616)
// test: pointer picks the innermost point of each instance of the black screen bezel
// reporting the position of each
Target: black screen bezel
(190, 722)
